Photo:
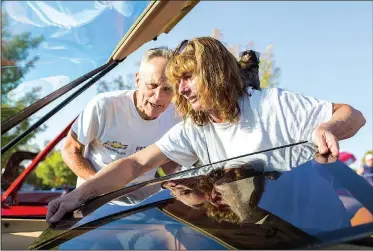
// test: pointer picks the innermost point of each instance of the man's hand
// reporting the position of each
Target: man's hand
(326, 141)
(65, 204)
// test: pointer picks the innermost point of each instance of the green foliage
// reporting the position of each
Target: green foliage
(268, 71)
(15, 63)
(15, 60)
(53, 172)
(35, 181)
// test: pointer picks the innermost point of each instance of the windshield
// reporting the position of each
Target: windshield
(280, 198)
(47, 44)
(62, 40)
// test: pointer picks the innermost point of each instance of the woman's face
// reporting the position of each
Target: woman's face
(188, 89)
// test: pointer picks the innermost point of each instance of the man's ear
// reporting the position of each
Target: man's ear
(137, 80)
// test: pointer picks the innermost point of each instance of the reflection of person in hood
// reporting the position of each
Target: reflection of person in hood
(229, 195)
(237, 200)
(247, 195)
(235, 196)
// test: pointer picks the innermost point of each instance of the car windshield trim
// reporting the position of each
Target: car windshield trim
(70, 233)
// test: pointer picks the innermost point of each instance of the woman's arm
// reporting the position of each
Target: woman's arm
(345, 123)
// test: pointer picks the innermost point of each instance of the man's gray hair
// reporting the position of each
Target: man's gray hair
(163, 52)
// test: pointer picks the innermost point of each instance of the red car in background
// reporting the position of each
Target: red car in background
(33, 204)
(347, 158)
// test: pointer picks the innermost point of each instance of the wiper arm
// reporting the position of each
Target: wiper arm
(28, 111)
(107, 68)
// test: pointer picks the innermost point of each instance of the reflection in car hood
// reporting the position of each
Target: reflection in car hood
(281, 198)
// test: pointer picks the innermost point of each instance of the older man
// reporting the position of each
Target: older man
(117, 124)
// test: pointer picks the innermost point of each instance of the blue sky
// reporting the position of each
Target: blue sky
(324, 50)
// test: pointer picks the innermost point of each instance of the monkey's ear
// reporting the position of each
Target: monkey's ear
(257, 55)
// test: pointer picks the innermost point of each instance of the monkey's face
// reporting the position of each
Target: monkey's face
(246, 58)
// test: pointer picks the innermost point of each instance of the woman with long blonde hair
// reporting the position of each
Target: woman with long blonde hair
(223, 118)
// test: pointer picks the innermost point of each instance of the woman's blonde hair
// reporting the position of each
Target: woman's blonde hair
(220, 84)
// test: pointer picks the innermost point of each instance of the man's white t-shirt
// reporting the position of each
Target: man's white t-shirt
(111, 128)
(269, 118)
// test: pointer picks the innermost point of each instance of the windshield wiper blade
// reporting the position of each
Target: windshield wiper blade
(71, 233)
(31, 109)
(108, 68)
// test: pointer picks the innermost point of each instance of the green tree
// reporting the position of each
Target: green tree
(268, 71)
(15, 63)
(35, 181)
(53, 172)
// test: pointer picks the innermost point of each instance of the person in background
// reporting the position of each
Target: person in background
(367, 169)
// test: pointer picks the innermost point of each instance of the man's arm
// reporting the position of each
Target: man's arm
(72, 154)
(345, 123)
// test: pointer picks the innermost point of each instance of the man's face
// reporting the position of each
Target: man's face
(154, 94)
(188, 89)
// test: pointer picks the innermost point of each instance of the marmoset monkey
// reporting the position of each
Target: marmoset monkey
(249, 66)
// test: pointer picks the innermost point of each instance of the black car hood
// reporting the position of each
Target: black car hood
(311, 198)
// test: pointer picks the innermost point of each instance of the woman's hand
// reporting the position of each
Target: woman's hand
(326, 141)
(67, 203)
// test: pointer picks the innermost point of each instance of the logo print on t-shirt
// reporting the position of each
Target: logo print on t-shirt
(140, 148)
(115, 146)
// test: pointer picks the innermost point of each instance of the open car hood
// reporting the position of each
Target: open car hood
(71, 36)
(159, 17)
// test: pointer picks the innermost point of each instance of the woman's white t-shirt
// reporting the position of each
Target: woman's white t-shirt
(269, 118)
